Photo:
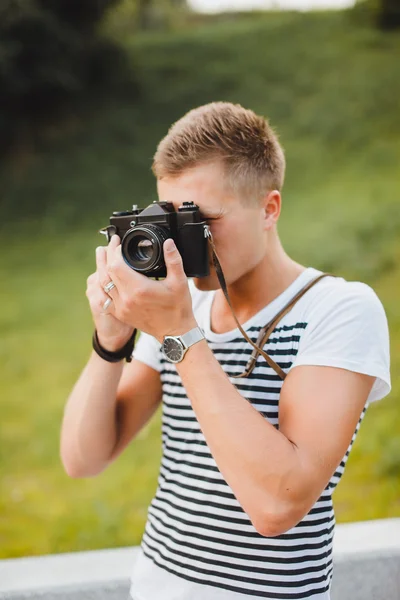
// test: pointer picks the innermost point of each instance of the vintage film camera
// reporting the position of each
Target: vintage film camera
(143, 232)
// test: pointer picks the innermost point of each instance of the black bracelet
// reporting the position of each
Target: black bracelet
(125, 352)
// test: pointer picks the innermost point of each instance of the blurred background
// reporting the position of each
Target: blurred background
(87, 89)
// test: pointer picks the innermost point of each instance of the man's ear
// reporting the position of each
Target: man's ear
(272, 204)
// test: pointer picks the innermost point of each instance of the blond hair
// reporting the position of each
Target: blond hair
(244, 142)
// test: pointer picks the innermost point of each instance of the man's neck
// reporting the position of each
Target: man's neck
(260, 286)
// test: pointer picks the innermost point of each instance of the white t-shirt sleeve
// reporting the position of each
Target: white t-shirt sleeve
(147, 350)
(348, 329)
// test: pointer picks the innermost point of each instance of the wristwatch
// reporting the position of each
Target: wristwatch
(174, 348)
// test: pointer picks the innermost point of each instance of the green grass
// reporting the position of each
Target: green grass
(330, 87)
(46, 325)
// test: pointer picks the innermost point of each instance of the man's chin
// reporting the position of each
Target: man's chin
(206, 284)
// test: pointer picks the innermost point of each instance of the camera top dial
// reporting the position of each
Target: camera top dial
(187, 206)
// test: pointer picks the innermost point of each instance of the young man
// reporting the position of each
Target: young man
(243, 506)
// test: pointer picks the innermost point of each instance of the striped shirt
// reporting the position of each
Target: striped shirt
(198, 542)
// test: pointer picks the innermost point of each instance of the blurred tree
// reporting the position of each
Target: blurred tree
(389, 14)
(144, 15)
(383, 13)
(50, 56)
(80, 14)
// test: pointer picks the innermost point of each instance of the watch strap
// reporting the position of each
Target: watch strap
(191, 337)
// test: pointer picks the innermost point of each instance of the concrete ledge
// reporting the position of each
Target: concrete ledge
(367, 561)
(366, 556)
(75, 569)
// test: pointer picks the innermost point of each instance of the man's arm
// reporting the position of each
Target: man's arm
(277, 476)
(108, 406)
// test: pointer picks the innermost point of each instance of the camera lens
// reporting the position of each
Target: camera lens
(142, 247)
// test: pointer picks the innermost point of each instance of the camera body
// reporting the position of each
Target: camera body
(143, 232)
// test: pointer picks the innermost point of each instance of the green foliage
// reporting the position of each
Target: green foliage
(389, 14)
(329, 86)
(81, 15)
(384, 14)
(144, 15)
(389, 463)
(50, 58)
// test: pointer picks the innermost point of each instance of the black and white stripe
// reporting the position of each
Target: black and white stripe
(196, 528)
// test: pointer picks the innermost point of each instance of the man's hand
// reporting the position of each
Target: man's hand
(112, 333)
(158, 308)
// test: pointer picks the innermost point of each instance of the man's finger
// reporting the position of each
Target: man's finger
(113, 250)
(114, 243)
(117, 267)
(101, 258)
(127, 280)
(101, 262)
(107, 306)
(102, 271)
(173, 262)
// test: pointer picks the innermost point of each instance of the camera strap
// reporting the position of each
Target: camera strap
(266, 331)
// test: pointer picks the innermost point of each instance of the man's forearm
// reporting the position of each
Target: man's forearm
(258, 462)
(88, 433)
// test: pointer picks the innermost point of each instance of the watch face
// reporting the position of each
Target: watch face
(173, 349)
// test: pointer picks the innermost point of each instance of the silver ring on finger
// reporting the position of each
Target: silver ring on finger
(107, 304)
(107, 288)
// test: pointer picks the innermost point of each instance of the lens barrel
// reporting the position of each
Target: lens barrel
(142, 247)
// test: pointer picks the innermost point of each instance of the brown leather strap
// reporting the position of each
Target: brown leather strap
(265, 331)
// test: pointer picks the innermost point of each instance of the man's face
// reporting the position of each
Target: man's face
(238, 230)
